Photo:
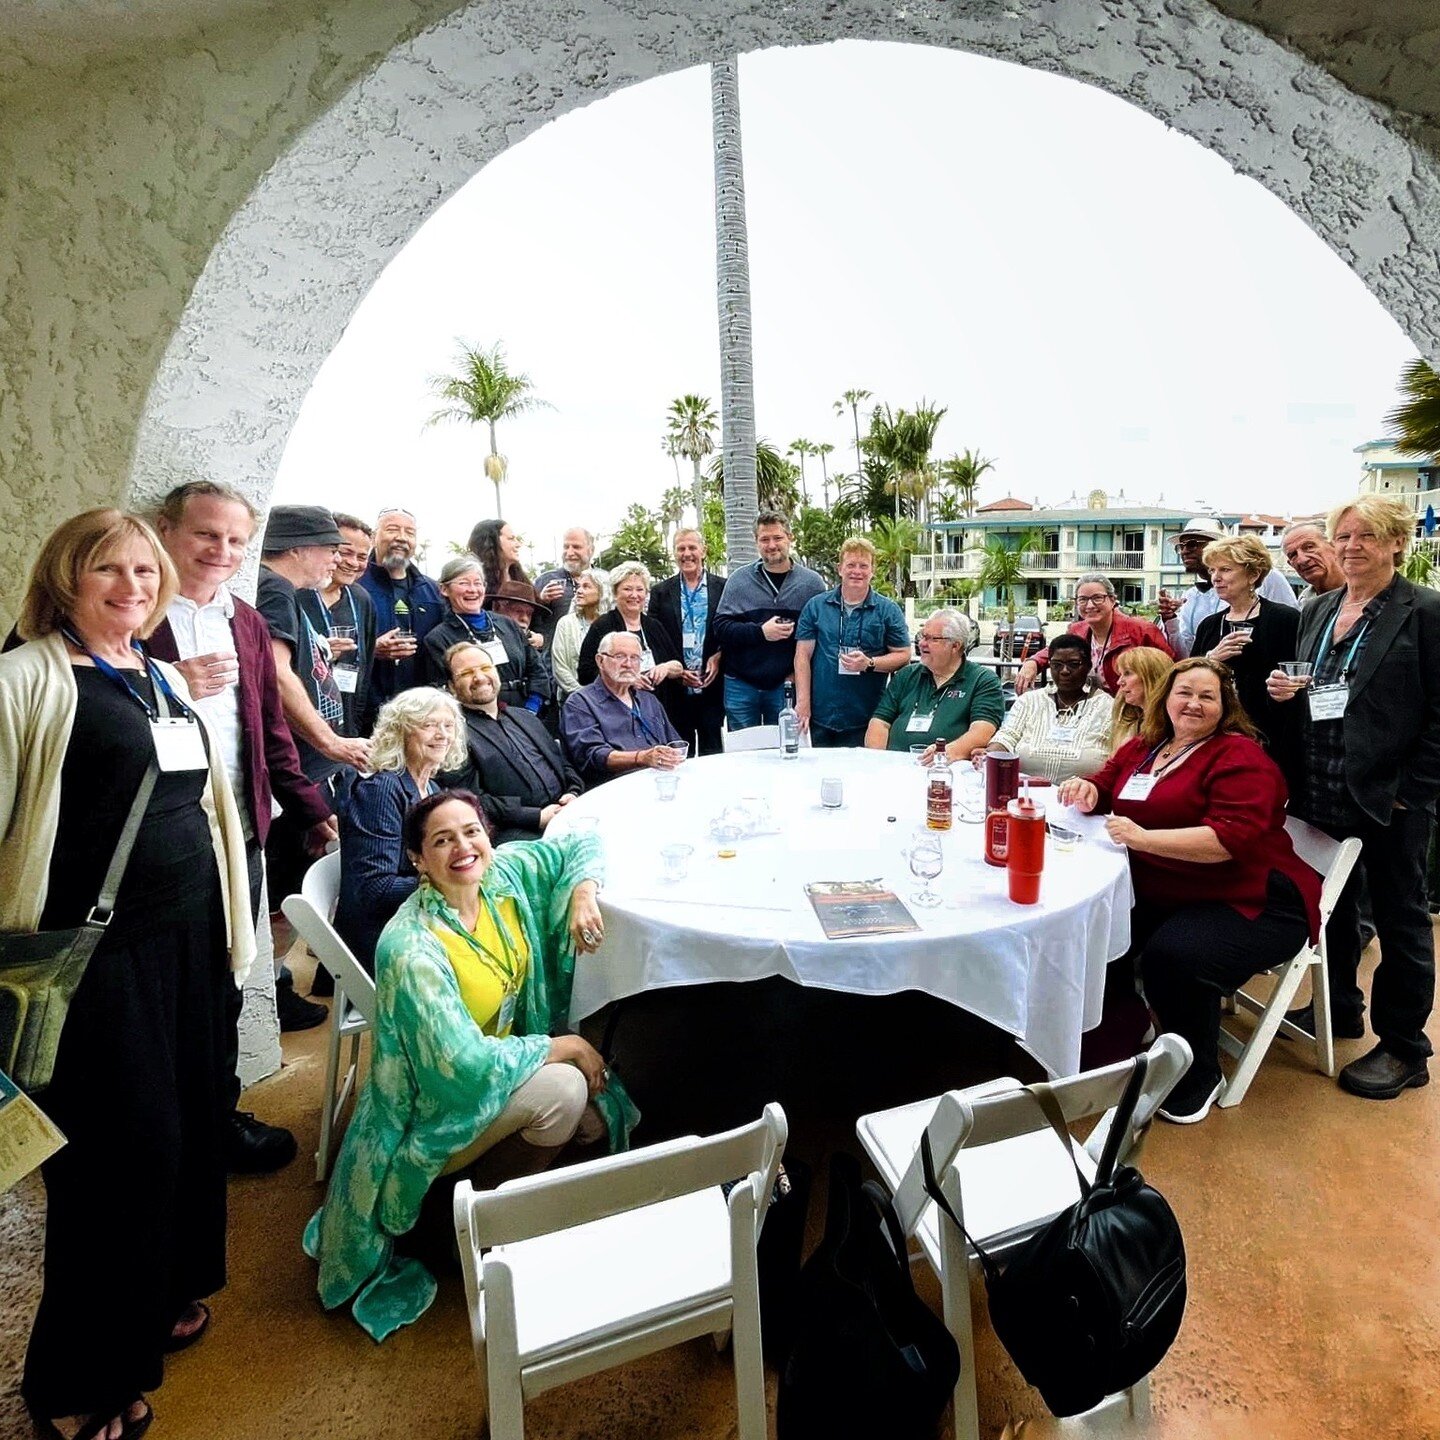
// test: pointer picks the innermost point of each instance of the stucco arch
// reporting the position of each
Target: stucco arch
(300, 253)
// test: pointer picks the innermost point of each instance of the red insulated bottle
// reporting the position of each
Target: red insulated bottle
(1002, 785)
(1025, 849)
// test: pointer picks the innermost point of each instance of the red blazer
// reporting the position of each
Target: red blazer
(1126, 632)
(1234, 787)
(267, 748)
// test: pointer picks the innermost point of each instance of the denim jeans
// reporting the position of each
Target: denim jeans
(747, 706)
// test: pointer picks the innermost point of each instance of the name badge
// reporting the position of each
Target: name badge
(1327, 702)
(347, 679)
(690, 641)
(506, 1018)
(840, 666)
(647, 661)
(178, 745)
(495, 649)
(1138, 787)
(919, 724)
(1063, 734)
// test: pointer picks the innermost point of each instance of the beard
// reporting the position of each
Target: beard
(573, 567)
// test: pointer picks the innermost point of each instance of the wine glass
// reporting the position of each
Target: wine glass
(927, 860)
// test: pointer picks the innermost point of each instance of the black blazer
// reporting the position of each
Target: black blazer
(509, 792)
(665, 607)
(1392, 718)
(657, 637)
(1271, 641)
(523, 674)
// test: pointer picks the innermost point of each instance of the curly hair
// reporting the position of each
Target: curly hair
(1233, 719)
(485, 547)
(404, 713)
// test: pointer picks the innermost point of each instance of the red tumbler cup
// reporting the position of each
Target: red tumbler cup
(1025, 850)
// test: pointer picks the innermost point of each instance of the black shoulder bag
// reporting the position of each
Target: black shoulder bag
(1089, 1305)
(870, 1358)
(40, 972)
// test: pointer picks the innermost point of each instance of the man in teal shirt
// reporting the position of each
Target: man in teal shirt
(942, 696)
(847, 643)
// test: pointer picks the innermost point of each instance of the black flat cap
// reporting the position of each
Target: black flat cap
(291, 526)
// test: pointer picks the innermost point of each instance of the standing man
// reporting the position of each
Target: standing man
(685, 605)
(1312, 557)
(347, 614)
(407, 607)
(848, 643)
(755, 625)
(222, 648)
(556, 588)
(1181, 617)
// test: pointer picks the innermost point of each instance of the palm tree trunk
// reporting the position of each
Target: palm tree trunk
(732, 284)
(495, 478)
(697, 491)
(855, 416)
(825, 481)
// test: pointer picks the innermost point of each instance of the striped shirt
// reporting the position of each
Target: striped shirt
(1057, 743)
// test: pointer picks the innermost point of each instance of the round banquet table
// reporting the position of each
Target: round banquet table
(1035, 971)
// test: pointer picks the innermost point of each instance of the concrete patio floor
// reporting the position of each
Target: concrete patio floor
(1310, 1221)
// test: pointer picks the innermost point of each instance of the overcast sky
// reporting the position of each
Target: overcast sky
(1100, 301)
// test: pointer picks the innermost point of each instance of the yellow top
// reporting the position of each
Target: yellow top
(481, 964)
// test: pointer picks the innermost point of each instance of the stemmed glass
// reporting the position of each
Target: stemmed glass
(927, 860)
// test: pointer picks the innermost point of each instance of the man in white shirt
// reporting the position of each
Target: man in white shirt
(1181, 617)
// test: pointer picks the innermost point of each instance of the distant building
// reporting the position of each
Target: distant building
(1385, 471)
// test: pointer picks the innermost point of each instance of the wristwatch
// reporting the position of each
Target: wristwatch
(871, 660)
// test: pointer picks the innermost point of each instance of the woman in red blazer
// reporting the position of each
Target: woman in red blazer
(1220, 893)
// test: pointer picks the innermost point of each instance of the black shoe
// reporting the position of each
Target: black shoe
(1382, 1075)
(1341, 1027)
(255, 1148)
(1190, 1101)
(323, 983)
(296, 1012)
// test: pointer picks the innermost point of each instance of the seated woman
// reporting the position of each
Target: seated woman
(1220, 892)
(1139, 674)
(523, 680)
(1064, 728)
(471, 974)
(942, 696)
(417, 734)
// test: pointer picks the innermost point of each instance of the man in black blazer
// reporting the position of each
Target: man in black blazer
(685, 605)
(516, 766)
(1372, 770)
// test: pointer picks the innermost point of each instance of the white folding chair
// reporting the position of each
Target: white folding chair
(758, 737)
(1006, 1176)
(352, 1012)
(615, 1258)
(1333, 860)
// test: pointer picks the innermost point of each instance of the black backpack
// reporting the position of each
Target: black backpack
(1089, 1305)
(870, 1358)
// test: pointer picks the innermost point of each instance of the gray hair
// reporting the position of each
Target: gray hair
(1094, 577)
(460, 565)
(406, 712)
(602, 584)
(1295, 526)
(623, 572)
(957, 625)
(607, 642)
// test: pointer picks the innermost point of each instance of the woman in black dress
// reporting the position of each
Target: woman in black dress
(661, 664)
(135, 1219)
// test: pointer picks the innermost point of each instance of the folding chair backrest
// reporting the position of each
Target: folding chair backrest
(1332, 859)
(309, 912)
(756, 737)
(561, 1199)
(965, 1120)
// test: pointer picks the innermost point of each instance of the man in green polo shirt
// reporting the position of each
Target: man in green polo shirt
(942, 696)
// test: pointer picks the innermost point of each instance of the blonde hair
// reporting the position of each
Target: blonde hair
(1246, 551)
(1390, 519)
(1152, 665)
(858, 544)
(399, 716)
(626, 570)
(78, 545)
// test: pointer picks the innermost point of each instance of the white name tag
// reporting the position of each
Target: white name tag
(840, 665)
(1138, 787)
(178, 745)
(690, 640)
(1063, 734)
(919, 724)
(1327, 702)
(506, 1018)
(647, 661)
(495, 649)
(347, 679)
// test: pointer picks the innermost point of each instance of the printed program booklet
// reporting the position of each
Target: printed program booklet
(27, 1138)
(847, 908)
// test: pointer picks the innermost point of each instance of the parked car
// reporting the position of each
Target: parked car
(1029, 636)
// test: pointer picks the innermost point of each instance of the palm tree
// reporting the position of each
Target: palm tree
(732, 286)
(802, 448)
(895, 544)
(775, 482)
(692, 421)
(670, 447)
(903, 440)
(485, 392)
(852, 400)
(823, 449)
(960, 474)
(1417, 421)
(672, 507)
(1003, 567)
(1419, 567)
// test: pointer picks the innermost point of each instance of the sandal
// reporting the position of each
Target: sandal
(183, 1342)
(98, 1424)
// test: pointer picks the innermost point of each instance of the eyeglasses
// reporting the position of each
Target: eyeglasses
(1083, 600)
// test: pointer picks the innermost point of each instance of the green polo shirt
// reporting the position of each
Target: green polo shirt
(972, 693)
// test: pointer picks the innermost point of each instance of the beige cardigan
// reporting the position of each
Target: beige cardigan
(37, 709)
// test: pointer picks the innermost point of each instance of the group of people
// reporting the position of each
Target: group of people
(430, 725)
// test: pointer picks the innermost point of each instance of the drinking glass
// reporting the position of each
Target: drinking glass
(681, 749)
(916, 751)
(1297, 671)
(1065, 839)
(667, 782)
(927, 860)
(832, 792)
(675, 861)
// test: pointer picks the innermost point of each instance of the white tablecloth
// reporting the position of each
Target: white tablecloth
(1036, 971)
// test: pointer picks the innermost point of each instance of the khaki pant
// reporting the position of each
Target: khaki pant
(544, 1112)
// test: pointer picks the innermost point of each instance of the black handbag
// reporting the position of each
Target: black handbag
(1089, 1305)
(870, 1358)
(40, 972)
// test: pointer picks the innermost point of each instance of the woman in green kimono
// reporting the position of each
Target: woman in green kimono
(470, 975)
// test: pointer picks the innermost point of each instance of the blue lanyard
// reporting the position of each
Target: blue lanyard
(1347, 669)
(354, 618)
(638, 719)
(859, 624)
(687, 603)
(119, 677)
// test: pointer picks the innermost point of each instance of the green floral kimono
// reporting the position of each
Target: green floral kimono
(437, 1081)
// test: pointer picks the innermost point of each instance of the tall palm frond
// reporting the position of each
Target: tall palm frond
(1417, 421)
